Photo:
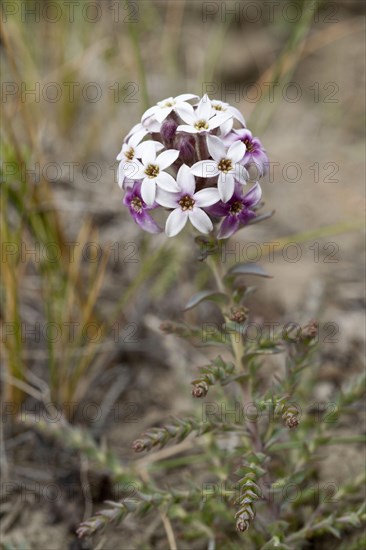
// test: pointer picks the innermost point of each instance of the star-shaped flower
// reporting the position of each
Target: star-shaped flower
(163, 108)
(223, 107)
(151, 171)
(202, 119)
(224, 164)
(187, 204)
(132, 150)
(139, 209)
(237, 211)
(255, 152)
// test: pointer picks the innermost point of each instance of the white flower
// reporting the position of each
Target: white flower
(222, 107)
(151, 171)
(187, 204)
(202, 119)
(132, 150)
(163, 108)
(224, 164)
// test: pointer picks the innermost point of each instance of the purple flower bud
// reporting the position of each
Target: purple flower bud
(187, 151)
(167, 130)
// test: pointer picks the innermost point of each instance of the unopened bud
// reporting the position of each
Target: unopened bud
(138, 446)
(238, 314)
(309, 331)
(200, 389)
(168, 130)
(242, 525)
(186, 146)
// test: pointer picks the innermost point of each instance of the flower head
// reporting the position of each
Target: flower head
(187, 204)
(139, 209)
(186, 157)
(237, 211)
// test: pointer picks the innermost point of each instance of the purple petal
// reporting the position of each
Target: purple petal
(218, 210)
(253, 196)
(228, 227)
(246, 215)
(146, 222)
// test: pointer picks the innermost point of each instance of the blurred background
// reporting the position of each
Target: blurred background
(84, 290)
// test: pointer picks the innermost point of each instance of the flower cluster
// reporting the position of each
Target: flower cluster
(191, 157)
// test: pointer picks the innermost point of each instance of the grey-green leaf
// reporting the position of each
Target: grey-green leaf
(248, 269)
(213, 296)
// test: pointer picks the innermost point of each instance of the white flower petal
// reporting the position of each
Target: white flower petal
(148, 191)
(166, 158)
(121, 154)
(186, 113)
(204, 108)
(139, 149)
(185, 97)
(216, 148)
(137, 137)
(150, 112)
(236, 151)
(167, 182)
(168, 200)
(206, 197)
(134, 169)
(163, 102)
(148, 152)
(241, 174)
(217, 120)
(152, 125)
(121, 174)
(237, 114)
(185, 180)
(225, 186)
(175, 222)
(205, 169)
(186, 128)
(226, 126)
(200, 220)
(162, 113)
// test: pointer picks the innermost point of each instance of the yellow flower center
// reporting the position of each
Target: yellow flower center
(225, 165)
(186, 203)
(130, 154)
(152, 171)
(201, 125)
(249, 145)
(236, 208)
(136, 204)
